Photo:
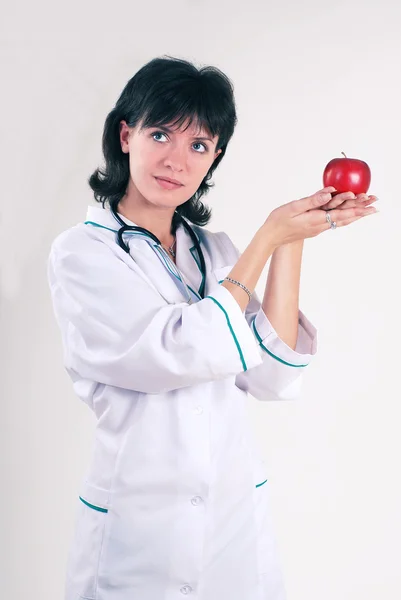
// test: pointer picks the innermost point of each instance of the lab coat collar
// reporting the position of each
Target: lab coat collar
(104, 216)
(187, 259)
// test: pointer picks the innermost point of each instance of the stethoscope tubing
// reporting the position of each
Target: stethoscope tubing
(125, 228)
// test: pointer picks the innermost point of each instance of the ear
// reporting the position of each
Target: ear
(124, 136)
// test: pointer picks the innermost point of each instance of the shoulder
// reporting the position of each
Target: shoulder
(79, 239)
(82, 252)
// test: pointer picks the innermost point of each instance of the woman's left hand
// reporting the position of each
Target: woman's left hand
(348, 200)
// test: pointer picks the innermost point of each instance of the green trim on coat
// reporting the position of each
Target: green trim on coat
(271, 353)
(232, 332)
(103, 510)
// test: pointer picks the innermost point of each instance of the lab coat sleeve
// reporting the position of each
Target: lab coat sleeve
(118, 330)
(280, 376)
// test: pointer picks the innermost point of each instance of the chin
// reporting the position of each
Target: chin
(162, 200)
(168, 198)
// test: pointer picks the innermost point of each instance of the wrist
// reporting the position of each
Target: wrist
(269, 237)
(296, 246)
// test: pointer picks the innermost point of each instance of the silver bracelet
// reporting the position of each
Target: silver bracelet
(240, 284)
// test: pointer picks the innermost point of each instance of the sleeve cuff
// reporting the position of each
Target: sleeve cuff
(243, 338)
(269, 341)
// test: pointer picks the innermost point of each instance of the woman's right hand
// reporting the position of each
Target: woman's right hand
(305, 218)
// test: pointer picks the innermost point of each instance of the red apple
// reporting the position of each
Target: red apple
(347, 175)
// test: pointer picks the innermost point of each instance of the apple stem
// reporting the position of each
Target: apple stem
(344, 154)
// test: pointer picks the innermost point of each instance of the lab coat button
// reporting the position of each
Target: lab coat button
(186, 589)
(196, 500)
(198, 410)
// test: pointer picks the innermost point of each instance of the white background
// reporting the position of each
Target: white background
(312, 79)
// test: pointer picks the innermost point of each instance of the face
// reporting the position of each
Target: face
(157, 152)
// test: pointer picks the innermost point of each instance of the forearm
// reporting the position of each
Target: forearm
(281, 298)
(250, 265)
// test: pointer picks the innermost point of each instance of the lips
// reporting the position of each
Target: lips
(169, 180)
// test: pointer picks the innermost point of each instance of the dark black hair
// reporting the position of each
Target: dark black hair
(167, 90)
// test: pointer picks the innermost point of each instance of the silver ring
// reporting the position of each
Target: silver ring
(333, 224)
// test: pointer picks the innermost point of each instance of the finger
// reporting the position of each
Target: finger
(349, 213)
(344, 217)
(349, 221)
(343, 196)
(315, 201)
(339, 199)
(361, 200)
(358, 200)
(349, 199)
(349, 204)
(364, 200)
(329, 188)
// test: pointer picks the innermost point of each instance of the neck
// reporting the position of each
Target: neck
(158, 221)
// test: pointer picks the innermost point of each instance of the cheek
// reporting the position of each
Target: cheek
(201, 169)
(141, 165)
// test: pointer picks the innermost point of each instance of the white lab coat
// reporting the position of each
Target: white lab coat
(175, 501)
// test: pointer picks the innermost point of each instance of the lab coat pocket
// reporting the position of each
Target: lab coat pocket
(87, 543)
(261, 514)
(269, 563)
(260, 491)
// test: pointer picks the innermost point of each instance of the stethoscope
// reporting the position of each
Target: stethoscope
(125, 228)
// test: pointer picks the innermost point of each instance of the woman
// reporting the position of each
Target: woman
(164, 337)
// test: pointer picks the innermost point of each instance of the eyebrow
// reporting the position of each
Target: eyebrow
(168, 130)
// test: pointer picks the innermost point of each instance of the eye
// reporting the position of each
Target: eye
(157, 133)
(205, 148)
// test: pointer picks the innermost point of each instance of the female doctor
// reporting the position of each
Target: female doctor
(164, 337)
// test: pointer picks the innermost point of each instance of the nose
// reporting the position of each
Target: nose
(175, 158)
